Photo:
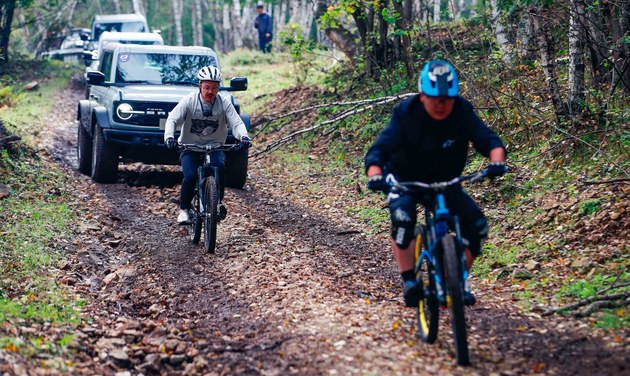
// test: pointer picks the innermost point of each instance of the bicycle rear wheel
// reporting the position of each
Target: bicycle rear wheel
(195, 220)
(455, 286)
(211, 202)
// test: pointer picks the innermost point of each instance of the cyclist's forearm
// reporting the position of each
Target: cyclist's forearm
(497, 155)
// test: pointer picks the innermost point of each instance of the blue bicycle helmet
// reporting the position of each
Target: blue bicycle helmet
(438, 79)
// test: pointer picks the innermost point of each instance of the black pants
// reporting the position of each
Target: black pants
(472, 222)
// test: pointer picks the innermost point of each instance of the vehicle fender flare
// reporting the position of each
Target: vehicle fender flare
(102, 117)
(84, 115)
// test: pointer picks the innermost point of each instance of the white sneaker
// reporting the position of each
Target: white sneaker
(183, 217)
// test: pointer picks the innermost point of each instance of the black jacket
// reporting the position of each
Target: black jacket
(415, 147)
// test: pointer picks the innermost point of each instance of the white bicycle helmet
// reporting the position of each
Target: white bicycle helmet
(209, 73)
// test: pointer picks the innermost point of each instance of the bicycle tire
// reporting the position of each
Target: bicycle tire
(428, 312)
(211, 202)
(195, 221)
(455, 288)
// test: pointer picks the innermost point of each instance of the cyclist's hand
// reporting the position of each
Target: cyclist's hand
(495, 169)
(246, 142)
(377, 183)
(171, 143)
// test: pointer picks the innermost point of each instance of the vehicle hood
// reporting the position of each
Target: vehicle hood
(155, 93)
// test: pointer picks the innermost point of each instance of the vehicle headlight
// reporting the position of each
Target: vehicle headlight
(125, 111)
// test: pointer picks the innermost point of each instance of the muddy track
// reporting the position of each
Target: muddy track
(292, 289)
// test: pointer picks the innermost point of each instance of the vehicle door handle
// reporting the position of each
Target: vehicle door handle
(95, 97)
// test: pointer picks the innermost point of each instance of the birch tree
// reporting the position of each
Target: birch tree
(577, 20)
(237, 31)
(500, 33)
(138, 7)
(177, 20)
(546, 50)
(197, 23)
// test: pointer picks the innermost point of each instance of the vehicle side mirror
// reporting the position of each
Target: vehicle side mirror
(237, 84)
(95, 78)
(87, 58)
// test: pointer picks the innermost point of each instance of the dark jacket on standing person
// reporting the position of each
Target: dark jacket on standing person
(263, 24)
(415, 147)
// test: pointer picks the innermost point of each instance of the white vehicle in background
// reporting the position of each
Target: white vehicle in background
(133, 22)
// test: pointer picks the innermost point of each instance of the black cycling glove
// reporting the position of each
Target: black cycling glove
(246, 142)
(377, 183)
(171, 143)
(495, 169)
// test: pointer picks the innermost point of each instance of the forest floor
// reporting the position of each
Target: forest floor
(295, 287)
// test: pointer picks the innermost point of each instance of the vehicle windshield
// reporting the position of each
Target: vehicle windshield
(160, 68)
(136, 26)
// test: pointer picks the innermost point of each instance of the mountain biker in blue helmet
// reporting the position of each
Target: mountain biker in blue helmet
(427, 140)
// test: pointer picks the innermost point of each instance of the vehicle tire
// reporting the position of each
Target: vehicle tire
(84, 150)
(211, 204)
(236, 168)
(455, 287)
(195, 220)
(428, 312)
(104, 159)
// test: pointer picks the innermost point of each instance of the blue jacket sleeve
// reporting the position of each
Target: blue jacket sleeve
(482, 137)
(387, 142)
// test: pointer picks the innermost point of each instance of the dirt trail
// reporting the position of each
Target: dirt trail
(292, 289)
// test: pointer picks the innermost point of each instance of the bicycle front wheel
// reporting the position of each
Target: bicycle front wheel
(211, 202)
(195, 218)
(428, 312)
(455, 287)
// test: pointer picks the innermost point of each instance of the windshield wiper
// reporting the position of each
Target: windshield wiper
(180, 83)
(135, 82)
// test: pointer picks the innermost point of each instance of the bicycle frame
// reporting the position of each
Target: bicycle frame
(437, 222)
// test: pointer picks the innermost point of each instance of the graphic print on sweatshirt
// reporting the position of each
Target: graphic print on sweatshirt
(204, 127)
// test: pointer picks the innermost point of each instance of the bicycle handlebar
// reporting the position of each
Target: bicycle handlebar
(437, 186)
(209, 148)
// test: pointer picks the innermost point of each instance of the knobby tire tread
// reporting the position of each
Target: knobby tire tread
(104, 159)
(84, 151)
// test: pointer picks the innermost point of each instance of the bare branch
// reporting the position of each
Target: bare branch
(355, 110)
(589, 300)
(610, 181)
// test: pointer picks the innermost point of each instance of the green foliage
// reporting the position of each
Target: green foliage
(590, 207)
(301, 49)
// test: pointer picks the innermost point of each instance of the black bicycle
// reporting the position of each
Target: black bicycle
(441, 262)
(206, 204)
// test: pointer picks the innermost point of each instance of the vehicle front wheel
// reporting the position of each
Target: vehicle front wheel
(104, 159)
(236, 168)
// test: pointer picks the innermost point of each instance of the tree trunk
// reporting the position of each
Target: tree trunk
(597, 47)
(177, 20)
(197, 23)
(436, 10)
(7, 9)
(237, 32)
(577, 20)
(138, 7)
(117, 6)
(620, 52)
(228, 41)
(219, 29)
(547, 57)
(500, 33)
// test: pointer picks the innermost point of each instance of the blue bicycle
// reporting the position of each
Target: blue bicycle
(441, 262)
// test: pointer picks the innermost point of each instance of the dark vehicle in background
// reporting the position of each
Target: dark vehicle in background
(67, 46)
(131, 94)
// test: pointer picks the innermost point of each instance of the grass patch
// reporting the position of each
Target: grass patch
(35, 220)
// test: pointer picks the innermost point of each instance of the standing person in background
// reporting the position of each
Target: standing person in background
(263, 24)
